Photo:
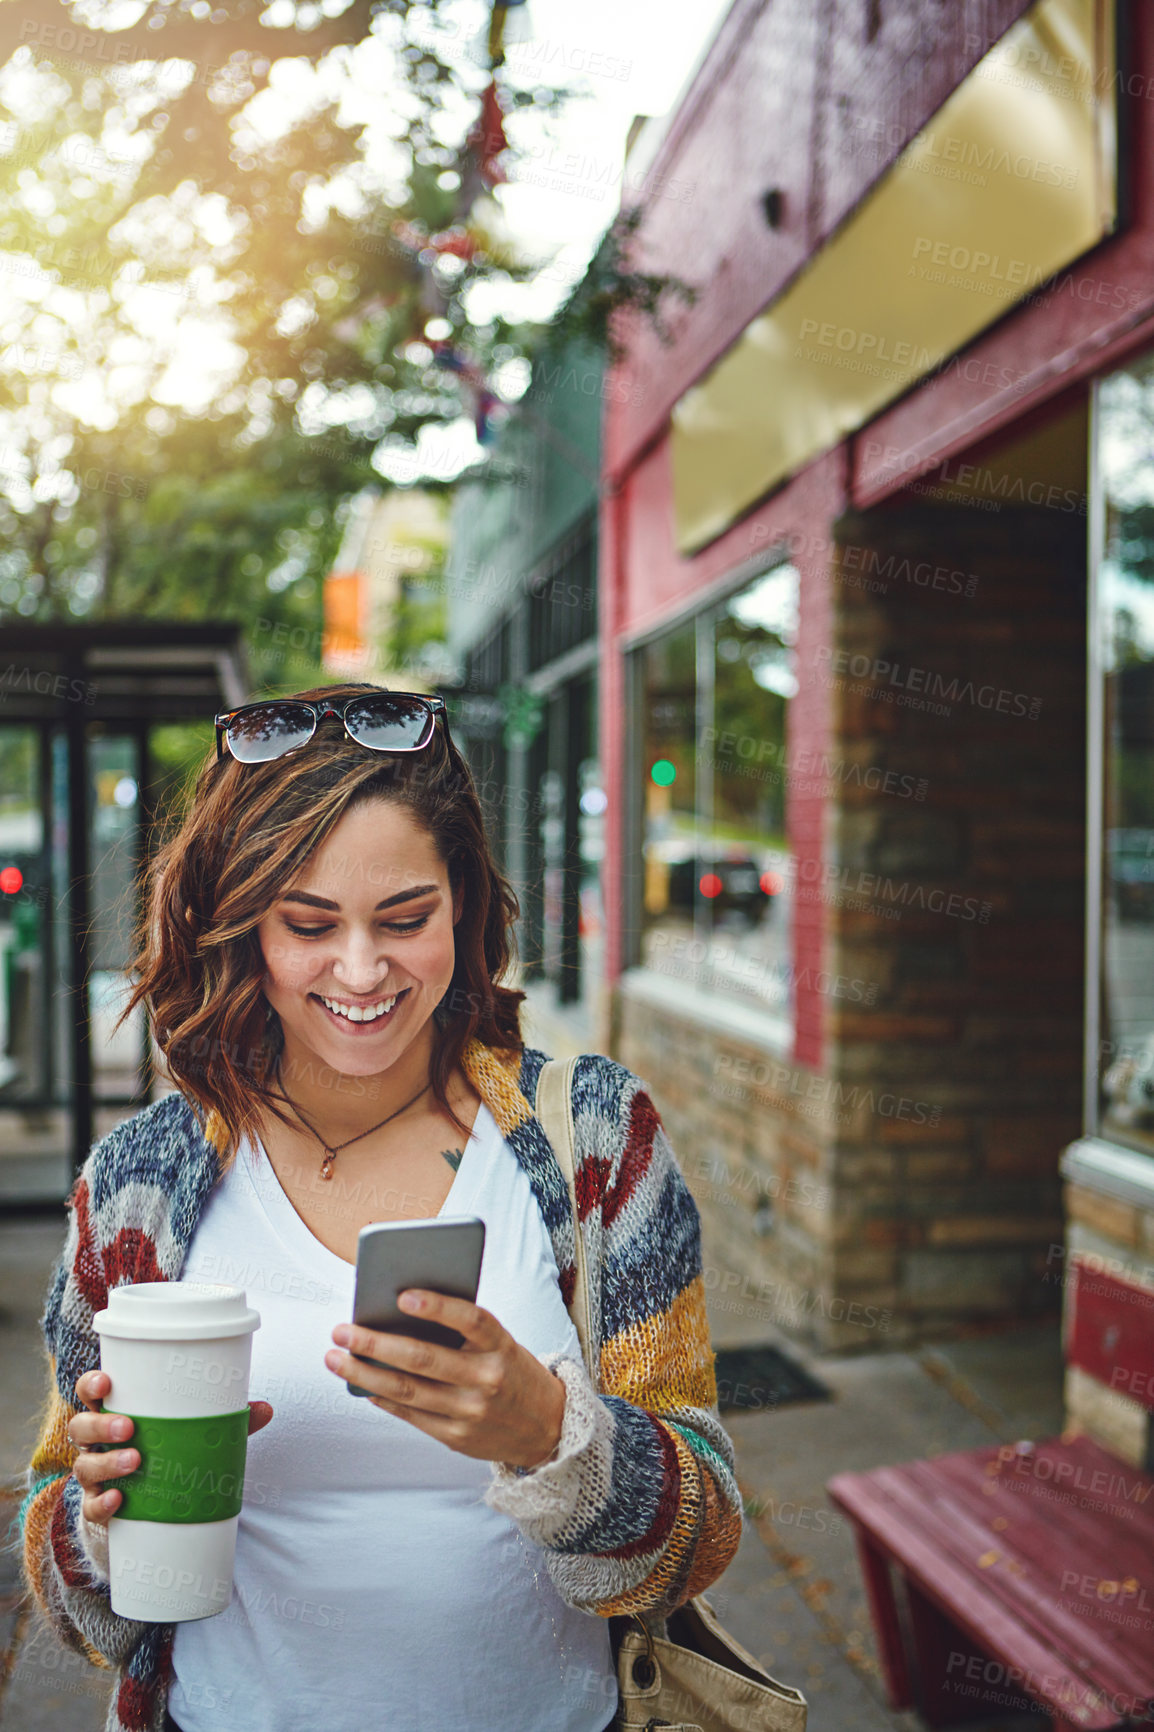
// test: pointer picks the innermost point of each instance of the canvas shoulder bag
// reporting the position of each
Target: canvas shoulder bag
(695, 1678)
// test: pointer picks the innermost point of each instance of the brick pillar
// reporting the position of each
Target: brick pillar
(954, 891)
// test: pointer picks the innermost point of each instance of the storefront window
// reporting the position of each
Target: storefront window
(1124, 650)
(717, 882)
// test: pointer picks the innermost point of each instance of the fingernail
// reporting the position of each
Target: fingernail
(333, 1360)
(110, 1499)
(341, 1334)
(410, 1302)
(121, 1428)
(124, 1460)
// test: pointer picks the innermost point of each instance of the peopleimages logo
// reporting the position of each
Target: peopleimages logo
(735, 1292)
(976, 262)
(147, 1573)
(872, 345)
(993, 1683)
(837, 886)
(43, 684)
(808, 770)
(923, 688)
(678, 952)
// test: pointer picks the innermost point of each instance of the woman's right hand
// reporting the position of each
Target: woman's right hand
(93, 1467)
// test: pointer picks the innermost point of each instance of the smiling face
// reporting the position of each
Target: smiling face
(359, 948)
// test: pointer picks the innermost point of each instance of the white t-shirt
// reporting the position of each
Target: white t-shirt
(375, 1591)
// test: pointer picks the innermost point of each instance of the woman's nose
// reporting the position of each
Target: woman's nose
(360, 963)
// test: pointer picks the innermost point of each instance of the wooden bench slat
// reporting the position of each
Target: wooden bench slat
(1108, 1544)
(1112, 1656)
(978, 1613)
(1119, 1538)
(963, 1542)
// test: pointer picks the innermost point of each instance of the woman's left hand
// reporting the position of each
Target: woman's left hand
(489, 1398)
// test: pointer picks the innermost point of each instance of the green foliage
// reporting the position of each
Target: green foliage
(143, 208)
(176, 753)
(1130, 539)
(610, 286)
(749, 712)
(419, 622)
(19, 765)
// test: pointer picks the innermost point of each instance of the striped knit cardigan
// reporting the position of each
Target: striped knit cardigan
(638, 1511)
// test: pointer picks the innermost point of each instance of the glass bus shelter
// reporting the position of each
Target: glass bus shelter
(80, 787)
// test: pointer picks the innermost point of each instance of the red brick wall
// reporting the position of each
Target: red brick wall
(958, 894)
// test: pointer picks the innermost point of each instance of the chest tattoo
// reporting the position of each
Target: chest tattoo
(454, 1157)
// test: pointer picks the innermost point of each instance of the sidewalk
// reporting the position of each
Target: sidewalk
(886, 1408)
(43, 1687)
(793, 1596)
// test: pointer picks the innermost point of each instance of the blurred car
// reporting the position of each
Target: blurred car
(736, 881)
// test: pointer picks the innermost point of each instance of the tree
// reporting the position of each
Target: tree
(152, 209)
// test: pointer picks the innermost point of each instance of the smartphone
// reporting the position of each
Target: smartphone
(442, 1255)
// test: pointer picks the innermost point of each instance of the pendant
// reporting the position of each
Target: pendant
(327, 1164)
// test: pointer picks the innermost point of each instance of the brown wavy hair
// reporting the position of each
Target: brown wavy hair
(248, 831)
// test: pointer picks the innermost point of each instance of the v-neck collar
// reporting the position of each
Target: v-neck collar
(294, 1231)
(501, 1078)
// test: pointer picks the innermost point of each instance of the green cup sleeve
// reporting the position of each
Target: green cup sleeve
(191, 1470)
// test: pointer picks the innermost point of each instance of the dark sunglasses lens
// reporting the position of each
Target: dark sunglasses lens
(268, 731)
(389, 724)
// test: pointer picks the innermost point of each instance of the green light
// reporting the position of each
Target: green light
(663, 772)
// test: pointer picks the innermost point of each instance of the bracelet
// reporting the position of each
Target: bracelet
(552, 1455)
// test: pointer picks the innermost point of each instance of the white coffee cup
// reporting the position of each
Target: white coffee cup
(178, 1355)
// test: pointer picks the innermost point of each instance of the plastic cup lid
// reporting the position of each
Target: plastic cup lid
(176, 1311)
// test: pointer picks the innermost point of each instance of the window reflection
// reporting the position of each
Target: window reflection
(1126, 649)
(717, 879)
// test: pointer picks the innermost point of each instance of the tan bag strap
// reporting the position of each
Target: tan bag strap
(554, 1109)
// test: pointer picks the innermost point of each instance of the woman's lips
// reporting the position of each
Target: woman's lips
(359, 1028)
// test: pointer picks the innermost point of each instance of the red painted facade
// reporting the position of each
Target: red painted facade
(795, 99)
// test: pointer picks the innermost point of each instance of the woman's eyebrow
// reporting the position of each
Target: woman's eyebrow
(312, 901)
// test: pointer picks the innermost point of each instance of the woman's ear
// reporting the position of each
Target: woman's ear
(458, 902)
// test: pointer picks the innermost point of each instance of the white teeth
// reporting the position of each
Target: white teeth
(355, 1013)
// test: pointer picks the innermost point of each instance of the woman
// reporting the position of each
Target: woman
(321, 960)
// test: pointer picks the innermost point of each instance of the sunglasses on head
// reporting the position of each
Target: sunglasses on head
(379, 721)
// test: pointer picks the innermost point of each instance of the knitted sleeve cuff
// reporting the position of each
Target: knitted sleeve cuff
(544, 1500)
(92, 1539)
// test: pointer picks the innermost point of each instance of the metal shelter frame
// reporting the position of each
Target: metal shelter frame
(123, 679)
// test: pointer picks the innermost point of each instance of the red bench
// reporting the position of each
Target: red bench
(1022, 1575)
